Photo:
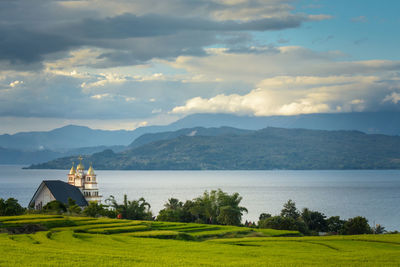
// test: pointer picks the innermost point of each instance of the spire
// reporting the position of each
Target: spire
(72, 171)
(80, 166)
(90, 171)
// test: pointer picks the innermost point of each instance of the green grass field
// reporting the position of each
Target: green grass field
(82, 241)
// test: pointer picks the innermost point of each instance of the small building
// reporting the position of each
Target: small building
(50, 190)
(81, 187)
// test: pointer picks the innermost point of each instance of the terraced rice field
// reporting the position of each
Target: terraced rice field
(82, 241)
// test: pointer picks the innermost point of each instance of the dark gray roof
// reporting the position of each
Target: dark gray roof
(62, 191)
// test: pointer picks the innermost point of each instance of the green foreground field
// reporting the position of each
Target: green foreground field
(82, 241)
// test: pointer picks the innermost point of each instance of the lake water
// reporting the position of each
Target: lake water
(372, 194)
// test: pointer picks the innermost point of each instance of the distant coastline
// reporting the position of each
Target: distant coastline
(265, 149)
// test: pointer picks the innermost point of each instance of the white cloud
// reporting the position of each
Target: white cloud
(152, 77)
(285, 95)
(276, 61)
(290, 80)
(393, 97)
(104, 79)
(129, 99)
(100, 96)
(16, 83)
(155, 111)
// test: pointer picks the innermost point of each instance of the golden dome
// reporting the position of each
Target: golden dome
(90, 171)
(80, 166)
(72, 171)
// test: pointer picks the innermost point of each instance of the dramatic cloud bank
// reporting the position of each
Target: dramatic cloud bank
(285, 87)
(135, 62)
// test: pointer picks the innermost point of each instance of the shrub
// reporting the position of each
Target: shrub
(314, 220)
(283, 223)
(95, 209)
(334, 224)
(55, 206)
(356, 226)
(10, 207)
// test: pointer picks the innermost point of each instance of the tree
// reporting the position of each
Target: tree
(314, 220)
(55, 206)
(172, 212)
(334, 224)
(283, 223)
(10, 207)
(72, 207)
(356, 226)
(379, 229)
(205, 208)
(95, 209)
(229, 211)
(264, 216)
(228, 215)
(208, 208)
(133, 210)
(289, 210)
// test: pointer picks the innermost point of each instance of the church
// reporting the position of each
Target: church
(81, 186)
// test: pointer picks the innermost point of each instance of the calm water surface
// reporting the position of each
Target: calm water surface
(372, 194)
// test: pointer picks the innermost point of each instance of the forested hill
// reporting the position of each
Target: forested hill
(266, 149)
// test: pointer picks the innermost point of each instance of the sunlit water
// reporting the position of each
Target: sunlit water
(373, 194)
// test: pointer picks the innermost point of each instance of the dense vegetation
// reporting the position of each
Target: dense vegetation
(213, 208)
(311, 222)
(83, 241)
(270, 148)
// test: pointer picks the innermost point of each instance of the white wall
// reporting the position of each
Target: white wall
(44, 197)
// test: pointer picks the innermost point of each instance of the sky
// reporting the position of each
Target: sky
(123, 64)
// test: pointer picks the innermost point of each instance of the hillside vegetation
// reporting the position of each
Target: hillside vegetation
(266, 149)
(82, 241)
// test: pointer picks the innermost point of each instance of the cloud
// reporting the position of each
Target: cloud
(104, 79)
(321, 83)
(277, 61)
(15, 83)
(290, 96)
(131, 32)
(100, 96)
(393, 97)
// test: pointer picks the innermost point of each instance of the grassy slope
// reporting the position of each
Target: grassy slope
(76, 245)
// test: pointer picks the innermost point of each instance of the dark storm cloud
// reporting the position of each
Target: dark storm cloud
(19, 45)
(130, 25)
(28, 37)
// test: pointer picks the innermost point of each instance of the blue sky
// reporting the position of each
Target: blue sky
(126, 63)
(362, 29)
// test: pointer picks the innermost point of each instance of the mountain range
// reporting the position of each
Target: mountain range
(265, 149)
(36, 147)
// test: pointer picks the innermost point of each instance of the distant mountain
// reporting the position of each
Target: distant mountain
(67, 137)
(269, 148)
(369, 122)
(152, 137)
(14, 156)
(72, 136)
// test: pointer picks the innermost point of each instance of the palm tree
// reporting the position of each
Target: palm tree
(133, 210)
